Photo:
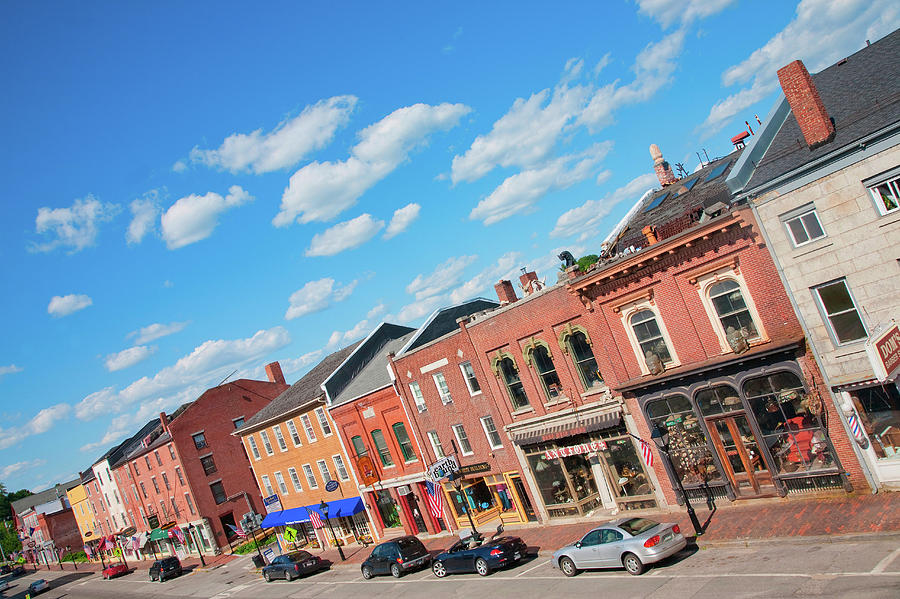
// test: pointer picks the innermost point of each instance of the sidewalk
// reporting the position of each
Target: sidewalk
(731, 521)
(189, 563)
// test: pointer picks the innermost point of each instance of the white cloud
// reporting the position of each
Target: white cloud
(442, 278)
(585, 220)
(417, 310)
(524, 136)
(75, 227)
(402, 219)
(144, 212)
(505, 267)
(667, 12)
(156, 331)
(289, 143)
(520, 192)
(344, 338)
(320, 191)
(821, 33)
(292, 365)
(67, 304)
(344, 236)
(203, 366)
(128, 357)
(315, 296)
(11, 369)
(180, 166)
(11, 469)
(194, 217)
(42, 422)
(377, 309)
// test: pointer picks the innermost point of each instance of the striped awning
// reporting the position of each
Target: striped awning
(864, 384)
(573, 424)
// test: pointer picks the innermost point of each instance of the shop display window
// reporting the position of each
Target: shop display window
(879, 414)
(625, 465)
(718, 400)
(689, 450)
(579, 470)
(790, 421)
(550, 480)
(387, 509)
(502, 492)
(474, 496)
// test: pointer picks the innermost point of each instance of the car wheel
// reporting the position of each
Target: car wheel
(267, 577)
(439, 569)
(568, 566)
(289, 576)
(633, 564)
(395, 571)
(482, 567)
(367, 573)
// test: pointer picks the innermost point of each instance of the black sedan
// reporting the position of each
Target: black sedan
(475, 555)
(291, 566)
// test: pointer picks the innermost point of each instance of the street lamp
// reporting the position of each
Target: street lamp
(323, 507)
(197, 543)
(457, 484)
(661, 437)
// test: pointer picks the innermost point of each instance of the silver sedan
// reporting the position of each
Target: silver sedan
(628, 542)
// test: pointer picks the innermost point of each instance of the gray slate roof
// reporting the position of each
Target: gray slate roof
(26, 503)
(443, 321)
(861, 93)
(308, 389)
(129, 445)
(366, 370)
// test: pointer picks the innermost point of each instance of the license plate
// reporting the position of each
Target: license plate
(667, 537)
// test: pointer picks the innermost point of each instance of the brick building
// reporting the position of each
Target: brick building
(441, 381)
(384, 450)
(823, 178)
(46, 524)
(295, 454)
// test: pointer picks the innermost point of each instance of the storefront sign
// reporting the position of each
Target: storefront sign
(366, 468)
(443, 468)
(272, 503)
(332, 485)
(153, 521)
(562, 452)
(884, 352)
(475, 468)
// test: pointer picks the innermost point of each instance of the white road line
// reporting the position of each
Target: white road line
(883, 564)
(546, 563)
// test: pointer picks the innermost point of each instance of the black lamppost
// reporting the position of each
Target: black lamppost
(457, 484)
(197, 543)
(323, 507)
(661, 437)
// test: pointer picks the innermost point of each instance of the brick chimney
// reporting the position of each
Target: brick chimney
(505, 292)
(806, 104)
(273, 371)
(164, 420)
(663, 170)
(530, 283)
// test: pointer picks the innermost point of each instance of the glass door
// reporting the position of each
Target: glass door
(739, 453)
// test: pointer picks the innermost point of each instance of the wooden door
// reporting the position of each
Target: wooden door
(741, 458)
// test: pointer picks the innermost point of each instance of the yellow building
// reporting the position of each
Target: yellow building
(84, 513)
(296, 455)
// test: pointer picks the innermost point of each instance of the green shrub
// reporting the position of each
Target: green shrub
(250, 546)
(78, 556)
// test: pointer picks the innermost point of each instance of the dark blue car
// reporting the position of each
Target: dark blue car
(473, 554)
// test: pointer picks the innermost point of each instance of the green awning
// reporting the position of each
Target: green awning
(158, 535)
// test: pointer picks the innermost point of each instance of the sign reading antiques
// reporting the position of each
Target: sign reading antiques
(562, 452)
(884, 352)
(475, 468)
(443, 468)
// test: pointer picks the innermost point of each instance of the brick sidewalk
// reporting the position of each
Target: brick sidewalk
(731, 521)
(190, 563)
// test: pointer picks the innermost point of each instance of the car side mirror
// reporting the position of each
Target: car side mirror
(577, 544)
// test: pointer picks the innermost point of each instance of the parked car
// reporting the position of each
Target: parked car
(5, 569)
(4, 585)
(291, 566)
(628, 542)
(168, 567)
(396, 557)
(115, 570)
(38, 586)
(474, 554)
(18, 570)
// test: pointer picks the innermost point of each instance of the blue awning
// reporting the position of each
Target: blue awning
(272, 520)
(294, 515)
(340, 507)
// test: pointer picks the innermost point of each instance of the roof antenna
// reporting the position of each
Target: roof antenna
(682, 173)
(705, 154)
(227, 377)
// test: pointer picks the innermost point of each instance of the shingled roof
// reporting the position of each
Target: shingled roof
(308, 389)
(443, 321)
(59, 490)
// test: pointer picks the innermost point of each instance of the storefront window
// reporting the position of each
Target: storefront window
(387, 508)
(473, 495)
(790, 421)
(550, 480)
(625, 464)
(718, 400)
(879, 414)
(502, 492)
(579, 469)
(688, 448)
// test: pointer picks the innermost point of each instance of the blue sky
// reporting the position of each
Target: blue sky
(194, 189)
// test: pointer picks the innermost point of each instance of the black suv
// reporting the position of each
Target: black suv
(396, 557)
(168, 567)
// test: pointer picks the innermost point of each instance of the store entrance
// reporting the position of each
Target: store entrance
(741, 458)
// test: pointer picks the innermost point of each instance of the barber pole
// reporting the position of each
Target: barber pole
(855, 428)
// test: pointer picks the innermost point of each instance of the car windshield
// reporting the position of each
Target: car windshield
(408, 542)
(636, 526)
(301, 555)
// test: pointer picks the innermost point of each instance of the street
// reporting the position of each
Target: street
(839, 567)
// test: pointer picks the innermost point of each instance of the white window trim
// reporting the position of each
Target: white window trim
(434, 446)
(728, 273)
(266, 485)
(466, 378)
(449, 397)
(322, 465)
(797, 214)
(310, 476)
(458, 440)
(295, 479)
(320, 416)
(627, 311)
(279, 480)
(487, 434)
(290, 425)
(891, 176)
(823, 312)
(254, 449)
(309, 430)
(279, 438)
(420, 405)
(335, 458)
(267, 445)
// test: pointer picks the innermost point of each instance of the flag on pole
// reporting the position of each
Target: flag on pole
(435, 499)
(646, 453)
(238, 531)
(315, 519)
(179, 534)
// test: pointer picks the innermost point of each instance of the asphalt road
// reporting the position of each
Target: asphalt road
(857, 567)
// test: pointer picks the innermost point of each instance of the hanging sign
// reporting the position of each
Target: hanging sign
(562, 452)
(884, 352)
(475, 468)
(443, 468)
(367, 472)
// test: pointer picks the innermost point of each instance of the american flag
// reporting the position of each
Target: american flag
(645, 451)
(315, 519)
(435, 499)
(238, 531)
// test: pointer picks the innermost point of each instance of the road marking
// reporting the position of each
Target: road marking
(883, 564)
(546, 563)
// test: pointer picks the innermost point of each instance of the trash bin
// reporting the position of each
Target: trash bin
(258, 561)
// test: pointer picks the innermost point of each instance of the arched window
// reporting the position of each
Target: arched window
(689, 452)
(576, 343)
(718, 400)
(514, 387)
(731, 308)
(649, 336)
(538, 355)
